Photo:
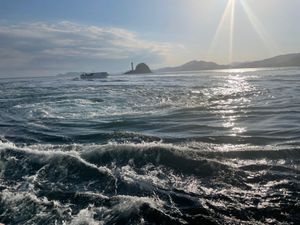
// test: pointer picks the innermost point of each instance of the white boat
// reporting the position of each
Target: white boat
(97, 75)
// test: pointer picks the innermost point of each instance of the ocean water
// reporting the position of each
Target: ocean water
(210, 147)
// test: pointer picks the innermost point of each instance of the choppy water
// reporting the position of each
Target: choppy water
(195, 148)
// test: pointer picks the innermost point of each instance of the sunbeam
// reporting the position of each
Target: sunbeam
(231, 33)
(258, 27)
(228, 21)
(220, 26)
(228, 13)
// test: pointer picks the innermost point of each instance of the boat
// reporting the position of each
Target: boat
(98, 75)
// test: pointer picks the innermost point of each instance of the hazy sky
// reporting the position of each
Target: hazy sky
(50, 36)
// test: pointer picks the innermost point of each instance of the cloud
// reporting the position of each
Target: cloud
(53, 47)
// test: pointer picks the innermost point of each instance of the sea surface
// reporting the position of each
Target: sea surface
(210, 147)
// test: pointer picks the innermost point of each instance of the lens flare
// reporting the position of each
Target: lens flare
(258, 27)
(231, 32)
(220, 26)
(228, 12)
(228, 21)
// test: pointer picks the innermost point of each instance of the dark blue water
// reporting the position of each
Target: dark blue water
(219, 147)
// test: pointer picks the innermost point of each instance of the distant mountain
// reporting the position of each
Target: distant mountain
(288, 60)
(193, 66)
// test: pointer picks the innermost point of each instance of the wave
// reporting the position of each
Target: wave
(154, 182)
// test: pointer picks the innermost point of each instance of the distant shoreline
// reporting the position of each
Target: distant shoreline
(162, 73)
(287, 60)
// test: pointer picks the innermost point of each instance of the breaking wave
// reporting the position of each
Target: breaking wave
(157, 183)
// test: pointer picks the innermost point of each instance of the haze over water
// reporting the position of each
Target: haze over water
(210, 147)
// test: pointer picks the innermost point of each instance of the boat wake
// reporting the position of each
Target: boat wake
(147, 183)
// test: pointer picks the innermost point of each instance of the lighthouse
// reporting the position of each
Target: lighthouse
(131, 66)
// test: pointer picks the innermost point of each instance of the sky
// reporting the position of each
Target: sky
(56, 36)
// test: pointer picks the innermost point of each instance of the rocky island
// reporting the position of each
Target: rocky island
(141, 68)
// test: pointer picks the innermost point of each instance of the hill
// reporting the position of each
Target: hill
(193, 66)
(288, 60)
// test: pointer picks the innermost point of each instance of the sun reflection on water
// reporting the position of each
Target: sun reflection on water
(234, 98)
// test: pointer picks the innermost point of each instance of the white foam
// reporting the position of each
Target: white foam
(52, 153)
(85, 216)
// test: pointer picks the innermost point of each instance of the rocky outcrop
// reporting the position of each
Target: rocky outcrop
(141, 68)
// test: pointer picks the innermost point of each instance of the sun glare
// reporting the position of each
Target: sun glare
(227, 22)
(228, 13)
(231, 31)
(258, 27)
